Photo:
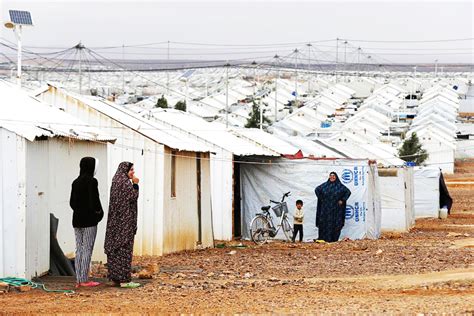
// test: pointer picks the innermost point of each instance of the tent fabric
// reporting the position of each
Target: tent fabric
(427, 193)
(59, 264)
(397, 200)
(263, 182)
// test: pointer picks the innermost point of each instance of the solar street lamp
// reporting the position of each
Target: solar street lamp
(18, 20)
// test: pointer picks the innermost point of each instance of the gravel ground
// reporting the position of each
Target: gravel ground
(428, 270)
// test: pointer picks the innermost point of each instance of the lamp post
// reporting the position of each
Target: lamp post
(18, 20)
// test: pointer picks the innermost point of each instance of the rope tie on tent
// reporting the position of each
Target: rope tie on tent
(17, 282)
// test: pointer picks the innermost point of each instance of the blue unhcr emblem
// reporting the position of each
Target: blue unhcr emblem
(346, 176)
(356, 211)
(356, 176)
(349, 212)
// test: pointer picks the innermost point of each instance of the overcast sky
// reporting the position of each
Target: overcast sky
(105, 23)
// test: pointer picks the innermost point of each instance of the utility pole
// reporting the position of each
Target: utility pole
(18, 36)
(276, 87)
(358, 58)
(168, 71)
(345, 50)
(309, 67)
(254, 64)
(436, 68)
(186, 94)
(414, 78)
(337, 55)
(389, 123)
(227, 95)
(80, 47)
(123, 68)
(296, 76)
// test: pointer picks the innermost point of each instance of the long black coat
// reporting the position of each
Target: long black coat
(85, 201)
(330, 216)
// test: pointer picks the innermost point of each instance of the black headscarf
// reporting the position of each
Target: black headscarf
(87, 167)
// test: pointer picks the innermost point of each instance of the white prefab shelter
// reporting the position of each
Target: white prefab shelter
(426, 190)
(264, 182)
(227, 147)
(396, 191)
(174, 206)
(40, 150)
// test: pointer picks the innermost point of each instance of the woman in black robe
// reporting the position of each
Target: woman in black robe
(331, 210)
(122, 225)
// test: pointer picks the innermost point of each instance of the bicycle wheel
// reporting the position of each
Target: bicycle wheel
(287, 229)
(259, 229)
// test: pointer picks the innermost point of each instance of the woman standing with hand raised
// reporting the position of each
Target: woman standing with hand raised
(122, 225)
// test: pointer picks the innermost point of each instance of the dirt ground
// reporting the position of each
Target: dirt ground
(428, 270)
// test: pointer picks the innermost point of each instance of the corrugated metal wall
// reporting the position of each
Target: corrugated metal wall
(222, 188)
(180, 218)
(52, 166)
(148, 158)
(38, 196)
(12, 205)
(206, 202)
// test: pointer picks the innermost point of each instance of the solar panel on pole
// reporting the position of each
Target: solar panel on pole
(21, 17)
(188, 74)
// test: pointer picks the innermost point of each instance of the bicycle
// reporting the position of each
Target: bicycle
(262, 227)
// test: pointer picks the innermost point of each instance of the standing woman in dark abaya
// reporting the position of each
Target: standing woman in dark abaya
(122, 225)
(331, 210)
(88, 212)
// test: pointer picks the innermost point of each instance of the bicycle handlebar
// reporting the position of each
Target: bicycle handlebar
(285, 195)
(282, 198)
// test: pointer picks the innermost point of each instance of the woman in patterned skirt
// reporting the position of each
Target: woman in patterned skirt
(122, 225)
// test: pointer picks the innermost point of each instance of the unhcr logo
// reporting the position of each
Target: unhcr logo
(356, 176)
(349, 212)
(356, 211)
(346, 176)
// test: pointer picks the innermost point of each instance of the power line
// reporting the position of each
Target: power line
(412, 41)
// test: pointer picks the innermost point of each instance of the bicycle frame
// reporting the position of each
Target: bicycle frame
(269, 217)
(270, 220)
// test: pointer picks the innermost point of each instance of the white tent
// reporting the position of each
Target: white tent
(426, 190)
(397, 199)
(262, 182)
